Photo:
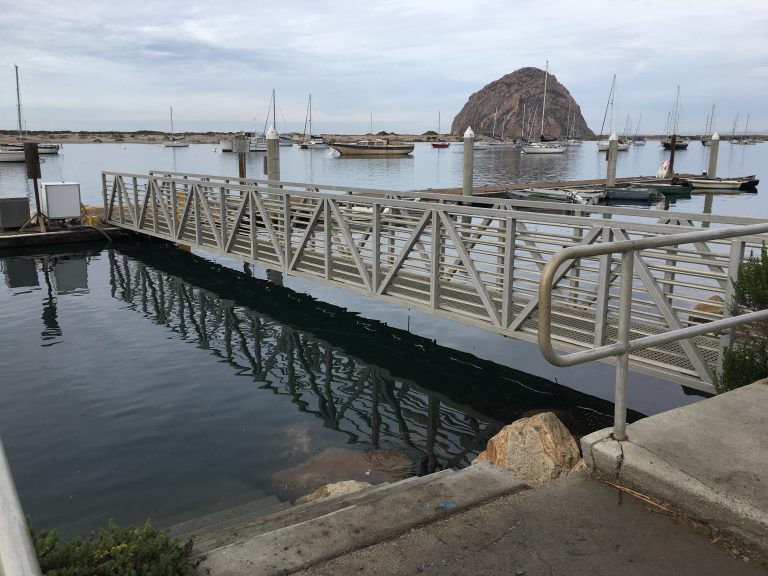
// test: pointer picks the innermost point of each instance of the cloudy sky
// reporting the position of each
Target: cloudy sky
(98, 65)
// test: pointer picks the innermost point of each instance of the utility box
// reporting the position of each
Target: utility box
(14, 212)
(60, 200)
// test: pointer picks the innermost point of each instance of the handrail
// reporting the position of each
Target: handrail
(17, 553)
(622, 348)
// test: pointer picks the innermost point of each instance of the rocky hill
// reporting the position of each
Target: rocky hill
(507, 97)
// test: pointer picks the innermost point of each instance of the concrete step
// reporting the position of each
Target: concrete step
(253, 525)
(221, 519)
(305, 535)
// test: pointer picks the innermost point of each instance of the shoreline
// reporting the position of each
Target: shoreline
(154, 137)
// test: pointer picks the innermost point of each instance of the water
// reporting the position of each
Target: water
(145, 382)
(426, 168)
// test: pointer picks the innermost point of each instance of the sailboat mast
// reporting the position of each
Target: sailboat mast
(522, 124)
(493, 130)
(274, 110)
(18, 102)
(544, 102)
(173, 134)
(438, 122)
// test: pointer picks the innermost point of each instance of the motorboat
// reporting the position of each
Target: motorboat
(374, 147)
(313, 143)
(480, 145)
(440, 145)
(11, 155)
(621, 145)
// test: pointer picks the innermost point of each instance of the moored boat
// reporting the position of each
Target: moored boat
(440, 144)
(11, 155)
(375, 147)
(632, 193)
(544, 148)
(716, 183)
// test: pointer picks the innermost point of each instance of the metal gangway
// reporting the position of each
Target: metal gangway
(475, 260)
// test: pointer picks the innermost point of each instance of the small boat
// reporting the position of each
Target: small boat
(480, 145)
(573, 142)
(375, 147)
(621, 146)
(681, 144)
(226, 144)
(547, 194)
(665, 188)
(543, 146)
(311, 142)
(632, 193)
(284, 141)
(11, 155)
(440, 143)
(716, 183)
(174, 142)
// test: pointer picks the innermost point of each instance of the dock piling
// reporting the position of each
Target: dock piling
(240, 145)
(713, 151)
(469, 157)
(613, 153)
(273, 155)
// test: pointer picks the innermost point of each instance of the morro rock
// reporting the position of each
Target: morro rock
(511, 95)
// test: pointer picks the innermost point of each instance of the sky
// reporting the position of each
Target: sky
(392, 64)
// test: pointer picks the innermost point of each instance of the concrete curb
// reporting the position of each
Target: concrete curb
(637, 467)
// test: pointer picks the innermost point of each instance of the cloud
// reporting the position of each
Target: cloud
(401, 59)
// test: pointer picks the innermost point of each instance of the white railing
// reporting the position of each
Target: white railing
(17, 553)
(480, 264)
(632, 268)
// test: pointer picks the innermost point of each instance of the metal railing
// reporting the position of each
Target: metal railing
(630, 268)
(479, 264)
(17, 553)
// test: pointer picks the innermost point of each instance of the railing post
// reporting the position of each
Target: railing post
(622, 360)
(469, 158)
(17, 554)
(602, 291)
(376, 256)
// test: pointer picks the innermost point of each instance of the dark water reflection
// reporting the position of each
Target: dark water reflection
(177, 386)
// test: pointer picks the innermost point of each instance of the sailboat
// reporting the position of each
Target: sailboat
(440, 143)
(602, 145)
(175, 142)
(542, 147)
(498, 142)
(745, 139)
(708, 125)
(14, 151)
(311, 141)
(674, 121)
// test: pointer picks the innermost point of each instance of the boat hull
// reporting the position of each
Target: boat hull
(362, 150)
(533, 149)
(440, 144)
(11, 156)
(715, 184)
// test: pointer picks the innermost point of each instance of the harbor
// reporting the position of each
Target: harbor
(349, 292)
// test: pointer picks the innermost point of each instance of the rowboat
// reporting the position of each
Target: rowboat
(715, 183)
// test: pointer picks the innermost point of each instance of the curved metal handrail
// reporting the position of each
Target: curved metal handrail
(624, 346)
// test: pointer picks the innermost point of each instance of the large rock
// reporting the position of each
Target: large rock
(510, 95)
(335, 489)
(335, 465)
(535, 449)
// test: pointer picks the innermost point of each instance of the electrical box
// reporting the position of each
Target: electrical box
(14, 212)
(60, 200)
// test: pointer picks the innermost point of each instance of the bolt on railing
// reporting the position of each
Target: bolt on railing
(623, 346)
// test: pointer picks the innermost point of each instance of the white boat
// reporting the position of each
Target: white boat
(226, 145)
(480, 145)
(11, 155)
(310, 142)
(257, 142)
(573, 142)
(175, 142)
(375, 147)
(284, 141)
(543, 147)
(715, 183)
(621, 146)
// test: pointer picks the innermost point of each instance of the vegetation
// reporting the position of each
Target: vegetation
(114, 551)
(746, 360)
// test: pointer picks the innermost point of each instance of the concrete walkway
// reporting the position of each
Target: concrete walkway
(708, 458)
(573, 526)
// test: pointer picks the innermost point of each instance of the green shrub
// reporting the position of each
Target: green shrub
(747, 359)
(114, 551)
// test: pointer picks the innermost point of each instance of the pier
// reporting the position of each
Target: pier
(475, 261)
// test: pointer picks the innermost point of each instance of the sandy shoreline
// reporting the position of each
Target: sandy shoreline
(150, 137)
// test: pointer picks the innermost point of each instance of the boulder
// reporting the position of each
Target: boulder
(535, 449)
(335, 489)
(336, 465)
(713, 305)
